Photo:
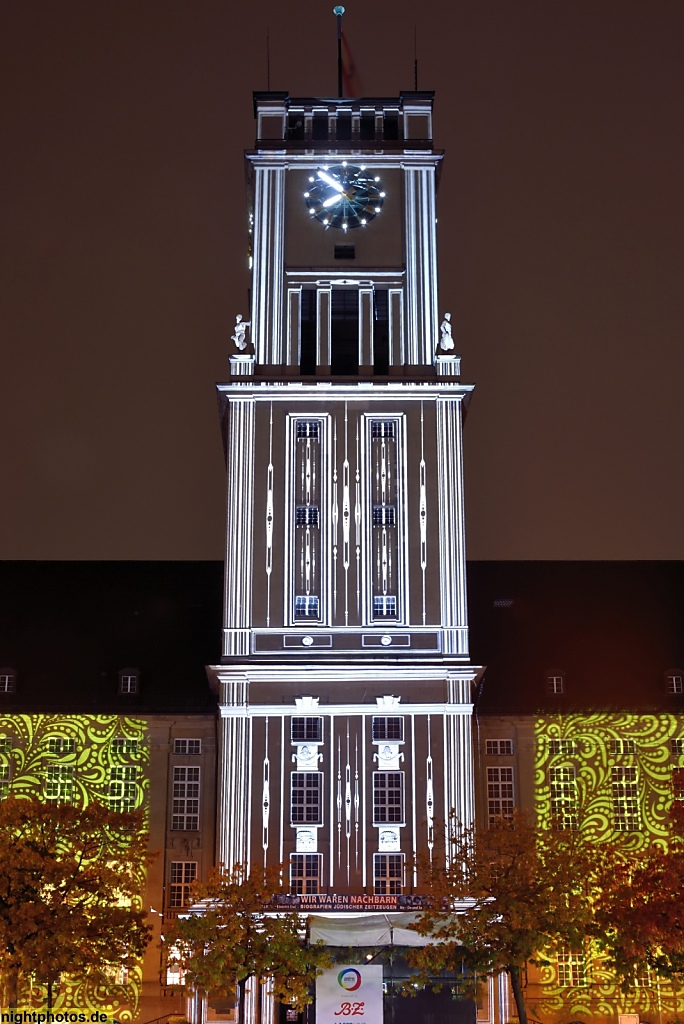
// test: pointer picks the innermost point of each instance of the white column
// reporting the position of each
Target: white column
(268, 262)
(420, 340)
(452, 533)
(239, 527)
(234, 782)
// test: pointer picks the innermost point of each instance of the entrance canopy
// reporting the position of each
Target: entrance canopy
(349, 929)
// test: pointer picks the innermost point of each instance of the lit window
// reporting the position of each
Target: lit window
(60, 745)
(181, 876)
(499, 747)
(566, 747)
(187, 746)
(305, 873)
(388, 873)
(616, 748)
(59, 783)
(625, 799)
(384, 607)
(388, 729)
(572, 970)
(678, 783)
(563, 798)
(307, 730)
(123, 788)
(500, 797)
(308, 429)
(128, 683)
(306, 515)
(122, 745)
(186, 797)
(388, 798)
(306, 607)
(175, 975)
(8, 680)
(675, 683)
(554, 684)
(384, 515)
(4, 781)
(306, 804)
(677, 746)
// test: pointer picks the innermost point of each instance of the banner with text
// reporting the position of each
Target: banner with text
(349, 994)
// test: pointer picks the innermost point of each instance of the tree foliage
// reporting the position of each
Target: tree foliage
(508, 896)
(236, 937)
(69, 890)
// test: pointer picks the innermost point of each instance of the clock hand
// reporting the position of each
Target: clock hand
(331, 202)
(329, 180)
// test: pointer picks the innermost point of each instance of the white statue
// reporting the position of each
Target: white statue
(446, 341)
(239, 337)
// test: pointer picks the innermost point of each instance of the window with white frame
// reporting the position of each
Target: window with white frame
(677, 746)
(555, 684)
(675, 682)
(305, 873)
(388, 874)
(128, 683)
(500, 794)
(8, 680)
(123, 788)
(563, 798)
(59, 783)
(306, 798)
(388, 728)
(306, 730)
(567, 748)
(5, 744)
(182, 874)
(187, 746)
(498, 747)
(121, 745)
(186, 799)
(618, 748)
(624, 784)
(572, 970)
(4, 780)
(388, 798)
(678, 783)
(61, 745)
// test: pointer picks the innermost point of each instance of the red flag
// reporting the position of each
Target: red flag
(350, 76)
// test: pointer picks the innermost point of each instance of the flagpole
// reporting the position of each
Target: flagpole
(338, 12)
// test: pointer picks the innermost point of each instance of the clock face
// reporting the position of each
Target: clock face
(344, 196)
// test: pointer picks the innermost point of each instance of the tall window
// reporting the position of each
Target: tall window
(306, 798)
(305, 873)
(388, 873)
(344, 310)
(380, 331)
(7, 681)
(388, 798)
(385, 496)
(500, 797)
(563, 797)
(572, 970)
(625, 798)
(123, 788)
(678, 783)
(128, 683)
(307, 496)
(181, 876)
(186, 799)
(59, 783)
(4, 779)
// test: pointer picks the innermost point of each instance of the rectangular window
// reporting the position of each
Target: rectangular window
(4, 781)
(6, 682)
(305, 873)
(554, 684)
(60, 745)
(186, 799)
(388, 728)
(123, 788)
(128, 684)
(572, 970)
(499, 747)
(344, 330)
(308, 429)
(500, 796)
(565, 747)
(306, 798)
(383, 429)
(59, 783)
(187, 746)
(384, 515)
(345, 252)
(678, 783)
(616, 748)
(563, 798)
(675, 684)
(5, 744)
(306, 607)
(122, 745)
(388, 798)
(677, 746)
(306, 515)
(306, 565)
(181, 876)
(388, 874)
(625, 799)
(306, 730)
(384, 607)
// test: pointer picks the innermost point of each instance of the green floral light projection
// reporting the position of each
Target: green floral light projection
(83, 758)
(610, 776)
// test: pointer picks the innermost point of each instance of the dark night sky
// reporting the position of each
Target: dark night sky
(561, 219)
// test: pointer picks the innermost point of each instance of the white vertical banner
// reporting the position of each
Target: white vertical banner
(349, 994)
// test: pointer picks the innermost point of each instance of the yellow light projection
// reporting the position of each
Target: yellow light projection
(609, 775)
(82, 759)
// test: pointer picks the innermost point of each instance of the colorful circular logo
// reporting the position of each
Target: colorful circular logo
(349, 979)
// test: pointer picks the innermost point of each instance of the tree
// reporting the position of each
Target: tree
(236, 937)
(70, 881)
(508, 896)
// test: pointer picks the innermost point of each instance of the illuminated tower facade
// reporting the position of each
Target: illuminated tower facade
(345, 683)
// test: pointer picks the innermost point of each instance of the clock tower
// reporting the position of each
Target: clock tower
(345, 683)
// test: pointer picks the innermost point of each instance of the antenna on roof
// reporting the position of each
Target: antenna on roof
(415, 58)
(268, 61)
(338, 12)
